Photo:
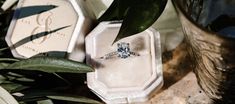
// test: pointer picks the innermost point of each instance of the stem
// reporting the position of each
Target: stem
(62, 78)
(8, 59)
(3, 49)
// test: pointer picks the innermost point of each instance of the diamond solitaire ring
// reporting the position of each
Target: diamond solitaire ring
(123, 51)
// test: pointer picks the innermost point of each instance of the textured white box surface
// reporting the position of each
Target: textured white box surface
(41, 26)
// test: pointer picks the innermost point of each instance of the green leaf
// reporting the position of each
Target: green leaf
(12, 87)
(78, 99)
(116, 11)
(3, 65)
(110, 13)
(2, 79)
(37, 95)
(51, 65)
(140, 16)
(45, 102)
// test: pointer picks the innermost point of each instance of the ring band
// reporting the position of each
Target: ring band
(123, 51)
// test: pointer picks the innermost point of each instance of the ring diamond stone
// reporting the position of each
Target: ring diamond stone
(123, 51)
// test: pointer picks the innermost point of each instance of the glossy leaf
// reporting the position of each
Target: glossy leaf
(8, 59)
(36, 95)
(51, 65)
(77, 99)
(116, 11)
(110, 13)
(45, 102)
(11, 87)
(141, 16)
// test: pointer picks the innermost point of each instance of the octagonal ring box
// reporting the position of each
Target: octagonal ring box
(123, 80)
(55, 27)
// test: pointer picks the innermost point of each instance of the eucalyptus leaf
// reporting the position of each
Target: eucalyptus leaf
(51, 65)
(141, 16)
(78, 99)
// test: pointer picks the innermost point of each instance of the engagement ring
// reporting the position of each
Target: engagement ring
(123, 51)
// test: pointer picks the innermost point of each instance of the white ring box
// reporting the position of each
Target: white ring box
(55, 26)
(118, 80)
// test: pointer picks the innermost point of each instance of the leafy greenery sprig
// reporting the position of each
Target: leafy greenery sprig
(41, 78)
(137, 15)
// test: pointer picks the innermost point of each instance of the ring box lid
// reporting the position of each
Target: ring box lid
(41, 26)
(127, 80)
